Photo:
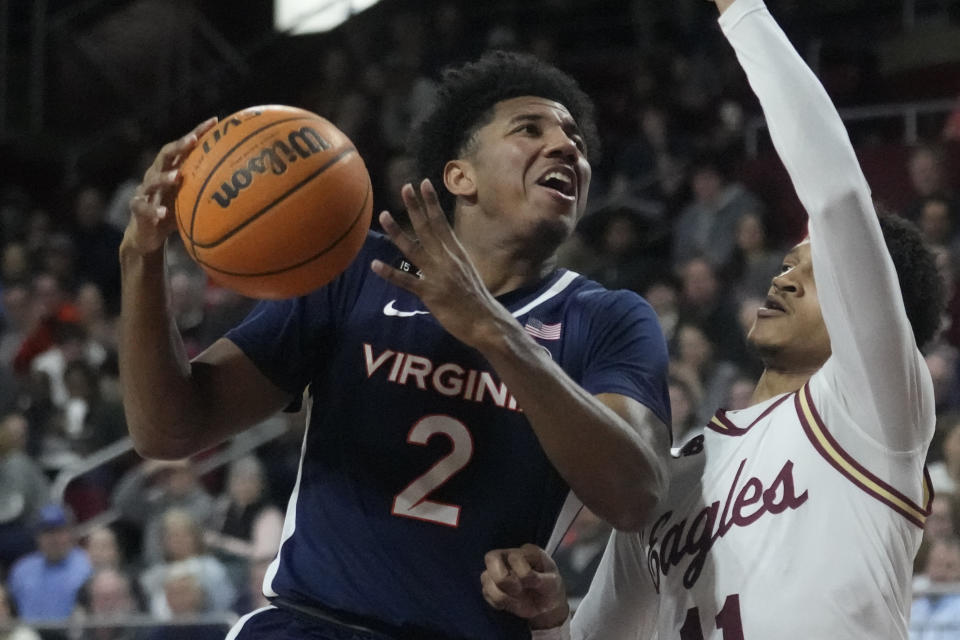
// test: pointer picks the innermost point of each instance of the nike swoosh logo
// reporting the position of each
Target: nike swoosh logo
(390, 311)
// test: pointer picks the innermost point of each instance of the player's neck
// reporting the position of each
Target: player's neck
(773, 383)
(505, 264)
(504, 272)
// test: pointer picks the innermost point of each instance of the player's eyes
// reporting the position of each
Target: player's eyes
(529, 127)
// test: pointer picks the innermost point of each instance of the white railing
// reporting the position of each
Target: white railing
(239, 446)
(75, 627)
(909, 112)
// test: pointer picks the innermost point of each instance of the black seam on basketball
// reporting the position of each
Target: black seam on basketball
(196, 203)
(229, 234)
(328, 248)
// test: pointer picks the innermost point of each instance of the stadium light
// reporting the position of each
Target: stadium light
(298, 17)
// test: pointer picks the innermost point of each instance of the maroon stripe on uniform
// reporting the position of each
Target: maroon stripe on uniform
(730, 429)
(809, 430)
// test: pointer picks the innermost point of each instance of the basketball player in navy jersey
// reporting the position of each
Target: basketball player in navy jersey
(799, 516)
(463, 388)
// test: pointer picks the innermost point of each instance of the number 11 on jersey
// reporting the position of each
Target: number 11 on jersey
(728, 621)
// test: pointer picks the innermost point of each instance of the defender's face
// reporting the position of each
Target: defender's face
(530, 165)
(789, 332)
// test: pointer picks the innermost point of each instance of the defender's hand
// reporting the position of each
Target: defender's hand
(450, 285)
(151, 207)
(526, 583)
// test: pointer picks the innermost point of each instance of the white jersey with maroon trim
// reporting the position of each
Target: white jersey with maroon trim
(798, 517)
(772, 529)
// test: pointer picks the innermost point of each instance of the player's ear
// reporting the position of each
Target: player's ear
(460, 179)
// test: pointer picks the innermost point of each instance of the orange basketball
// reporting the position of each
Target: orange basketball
(275, 201)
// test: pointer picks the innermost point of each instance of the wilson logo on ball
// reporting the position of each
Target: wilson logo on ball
(301, 144)
(296, 195)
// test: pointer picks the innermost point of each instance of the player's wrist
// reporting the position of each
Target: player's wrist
(559, 628)
(131, 249)
(551, 619)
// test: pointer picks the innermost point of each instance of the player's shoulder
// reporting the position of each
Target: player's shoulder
(595, 299)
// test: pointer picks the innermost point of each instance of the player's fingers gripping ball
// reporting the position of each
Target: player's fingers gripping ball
(275, 201)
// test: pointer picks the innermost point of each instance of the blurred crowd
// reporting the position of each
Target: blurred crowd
(677, 214)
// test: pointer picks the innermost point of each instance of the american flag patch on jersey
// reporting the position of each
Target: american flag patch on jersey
(543, 331)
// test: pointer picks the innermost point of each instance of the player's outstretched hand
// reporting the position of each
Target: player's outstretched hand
(526, 583)
(151, 207)
(450, 285)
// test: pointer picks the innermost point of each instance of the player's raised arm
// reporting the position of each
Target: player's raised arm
(174, 407)
(872, 343)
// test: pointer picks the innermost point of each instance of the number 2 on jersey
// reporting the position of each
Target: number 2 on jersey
(728, 621)
(412, 502)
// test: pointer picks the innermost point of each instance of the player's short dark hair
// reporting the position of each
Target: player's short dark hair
(920, 282)
(465, 100)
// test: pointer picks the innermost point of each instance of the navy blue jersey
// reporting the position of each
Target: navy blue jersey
(417, 459)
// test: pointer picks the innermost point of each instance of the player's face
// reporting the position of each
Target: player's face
(789, 332)
(529, 167)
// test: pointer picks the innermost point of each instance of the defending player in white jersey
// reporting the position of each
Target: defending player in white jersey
(798, 517)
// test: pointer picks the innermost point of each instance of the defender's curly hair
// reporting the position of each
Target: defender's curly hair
(920, 282)
(465, 100)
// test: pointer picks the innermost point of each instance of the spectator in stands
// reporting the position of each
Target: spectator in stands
(620, 247)
(186, 598)
(245, 526)
(648, 154)
(71, 345)
(694, 362)
(940, 523)
(945, 473)
(118, 208)
(109, 597)
(97, 244)
(707, 226)
(703, 303)
(103, 549)
(58, 258)
(942, 360)
(927, 170)
(100, 327)
(146, 492)
(14, 264)
(52, 309)
(753, 261)
(37, 235)
(10, 628)
(936, 616)
(16, 313)
(45, 584)
(937, 219)
(183, 547)
(951, 128)
(663, 295)
(23, 490)
(93, 421)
